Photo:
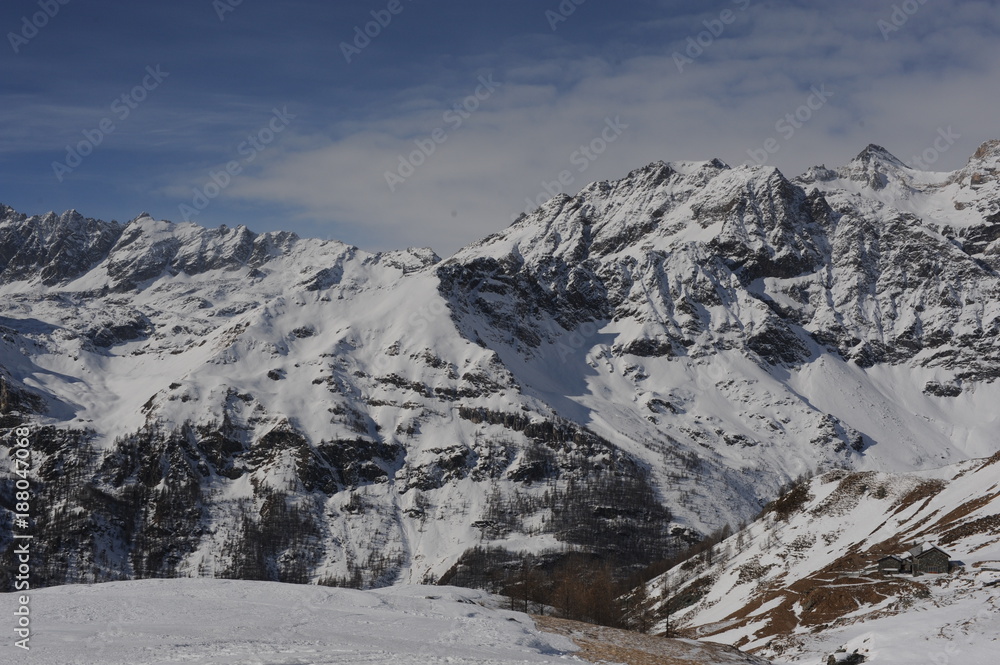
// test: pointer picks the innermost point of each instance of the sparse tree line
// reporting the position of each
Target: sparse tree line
(573, 584)
(580, 584)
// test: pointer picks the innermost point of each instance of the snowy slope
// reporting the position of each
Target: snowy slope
(802, 579)
(957, 626)
(655, 356)
(222, 622)
(230, 622)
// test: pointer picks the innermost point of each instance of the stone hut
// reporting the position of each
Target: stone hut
(929, 559)
(890, 564)
(921, 558)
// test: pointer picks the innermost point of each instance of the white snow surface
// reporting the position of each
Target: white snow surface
(950, 629)
(231, 622)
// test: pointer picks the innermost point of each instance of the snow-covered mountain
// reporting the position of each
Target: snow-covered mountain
(619, 371)
(804, 580)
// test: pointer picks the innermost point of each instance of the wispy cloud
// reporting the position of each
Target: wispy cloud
(326, 174)
(895, 92)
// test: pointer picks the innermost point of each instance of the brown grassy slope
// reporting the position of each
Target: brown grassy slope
(600, 644)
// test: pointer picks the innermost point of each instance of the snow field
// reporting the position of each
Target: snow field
(230, 622)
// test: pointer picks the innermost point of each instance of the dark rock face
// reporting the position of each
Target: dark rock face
(148, 250)
(977, 239)
(768, 230)
(119, 325)
(942, 389)
(16, 399)
(141, 508)
(776, 343)
(52, 248)
(58, 249)
(854, 658)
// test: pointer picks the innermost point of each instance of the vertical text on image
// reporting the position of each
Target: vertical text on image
(21, 457)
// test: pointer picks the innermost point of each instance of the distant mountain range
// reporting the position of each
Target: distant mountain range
(621, 371)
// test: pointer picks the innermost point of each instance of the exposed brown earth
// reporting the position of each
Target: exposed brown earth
(849, 583)
(989, 524)
(600, 644)
(824, 598)
(964, 510)
(926, 490)
(994, 459)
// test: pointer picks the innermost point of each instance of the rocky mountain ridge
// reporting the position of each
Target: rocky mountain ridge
(619, 371)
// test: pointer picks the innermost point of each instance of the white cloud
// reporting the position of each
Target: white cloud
(939, 69)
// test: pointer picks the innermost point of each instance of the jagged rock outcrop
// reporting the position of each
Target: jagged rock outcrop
(52, 249)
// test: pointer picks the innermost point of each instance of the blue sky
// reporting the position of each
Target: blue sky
(447, 122)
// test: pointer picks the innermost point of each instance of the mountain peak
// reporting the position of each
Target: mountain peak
(875, 153)
(688, 167)
(659, 171)
(874, 166)
(989, 149)
(654, 172)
